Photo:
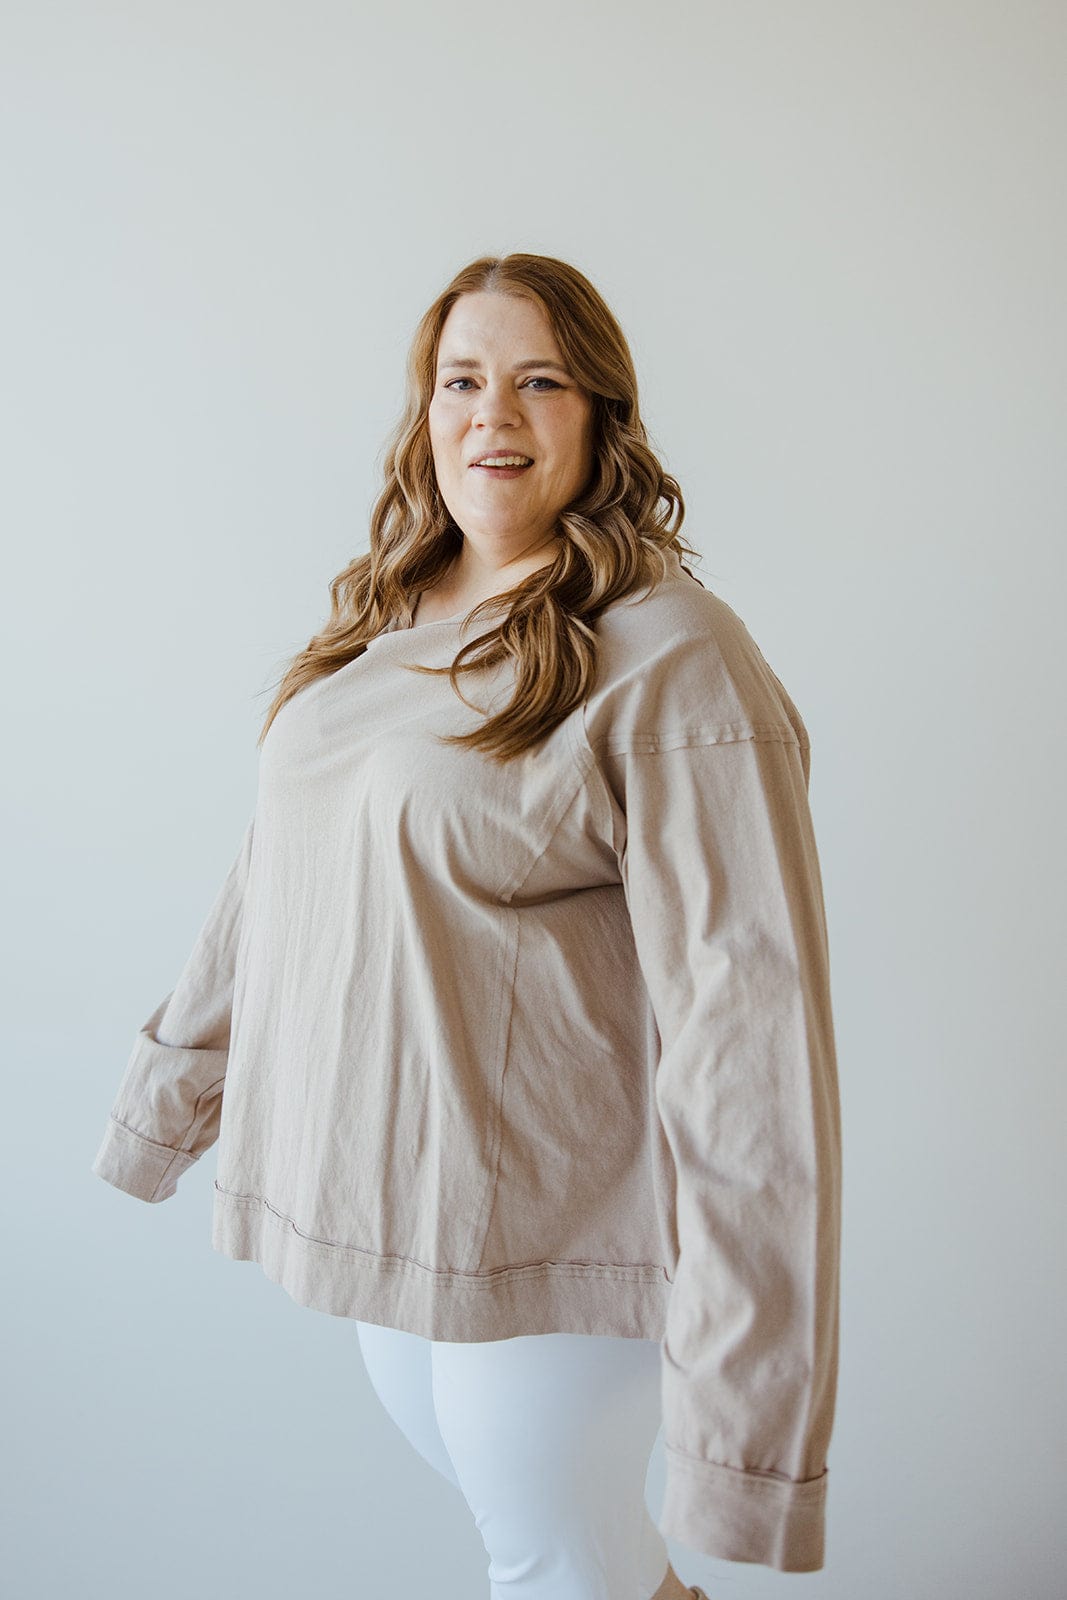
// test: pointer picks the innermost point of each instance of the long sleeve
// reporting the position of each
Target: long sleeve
(169, 1103)
(724, 892)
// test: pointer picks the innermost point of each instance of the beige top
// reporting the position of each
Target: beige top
(495, 1050)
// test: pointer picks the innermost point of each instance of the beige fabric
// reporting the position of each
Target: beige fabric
(545, 1047)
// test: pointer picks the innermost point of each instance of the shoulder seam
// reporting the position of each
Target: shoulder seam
(724, 733)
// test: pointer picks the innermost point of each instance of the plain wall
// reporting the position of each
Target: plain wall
(834, 234)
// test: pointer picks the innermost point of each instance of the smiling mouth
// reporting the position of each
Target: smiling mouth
(505, 469)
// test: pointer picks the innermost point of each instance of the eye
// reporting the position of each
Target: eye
(552, 384)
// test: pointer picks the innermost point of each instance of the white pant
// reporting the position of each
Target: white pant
(547, 1437)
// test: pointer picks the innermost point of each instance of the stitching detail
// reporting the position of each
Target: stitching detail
(750, 1477)
(195, 1122)
(724, 733)
(144, 1138)
(450, 1278)
(199, 1117)
(556, 815)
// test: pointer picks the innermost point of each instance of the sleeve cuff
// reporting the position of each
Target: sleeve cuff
(732, 1515)
(137, 1165)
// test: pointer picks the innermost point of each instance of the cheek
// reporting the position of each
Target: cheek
(579, 442)
(442, 444)
(581, 452)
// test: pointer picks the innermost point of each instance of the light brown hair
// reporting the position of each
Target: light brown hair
(610, 537)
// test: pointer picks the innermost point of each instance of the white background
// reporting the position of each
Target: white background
(834, 234)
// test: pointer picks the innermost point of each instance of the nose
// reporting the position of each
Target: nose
(497, 405)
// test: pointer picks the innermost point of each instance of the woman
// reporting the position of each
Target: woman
(518, 987)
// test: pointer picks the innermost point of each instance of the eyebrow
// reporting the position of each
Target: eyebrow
(520, 366)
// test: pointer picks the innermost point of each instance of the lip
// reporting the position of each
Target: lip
(487, 455)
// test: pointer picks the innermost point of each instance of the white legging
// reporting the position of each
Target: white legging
(547, 1437)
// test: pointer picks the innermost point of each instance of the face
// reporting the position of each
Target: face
(501, 388)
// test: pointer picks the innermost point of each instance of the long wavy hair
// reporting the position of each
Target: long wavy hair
(611, 538)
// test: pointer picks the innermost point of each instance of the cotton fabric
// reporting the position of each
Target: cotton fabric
(497, 1050)
(547, 1437)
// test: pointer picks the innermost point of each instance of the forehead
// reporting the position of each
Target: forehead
(484, 323)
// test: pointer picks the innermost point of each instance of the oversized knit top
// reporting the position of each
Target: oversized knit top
(543, 1046)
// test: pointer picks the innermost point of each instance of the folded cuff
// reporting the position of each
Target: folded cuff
(137, 1165)
(732, 1515)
